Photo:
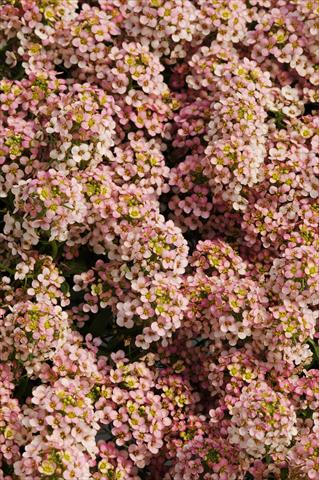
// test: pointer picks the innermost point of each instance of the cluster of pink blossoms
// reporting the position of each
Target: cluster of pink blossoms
(159, 243)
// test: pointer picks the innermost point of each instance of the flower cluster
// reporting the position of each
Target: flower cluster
(159, 243)
(128, 404)
(11, 430)
(258, 416)
(34, 331)
(46, 205)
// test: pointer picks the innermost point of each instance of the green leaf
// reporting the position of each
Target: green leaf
(101, 323)
(284, 474)
(4, 268)
(315, 347)
(279, 118)
(65, 288)
(74, 267)
(54, 249)
(249, 476)
(23, 389)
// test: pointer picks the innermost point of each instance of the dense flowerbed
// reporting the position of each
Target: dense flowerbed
(159, 248)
